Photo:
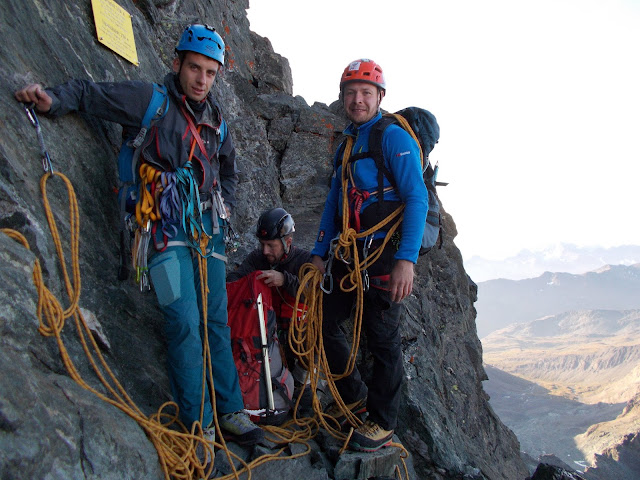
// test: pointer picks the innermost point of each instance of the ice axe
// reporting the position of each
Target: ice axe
(265, 354)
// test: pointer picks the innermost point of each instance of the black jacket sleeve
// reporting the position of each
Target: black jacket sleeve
(254, 261)
(120, 102)
(297, 257)
(228, 171)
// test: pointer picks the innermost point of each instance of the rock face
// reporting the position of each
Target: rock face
(51, 427)
(551, 472)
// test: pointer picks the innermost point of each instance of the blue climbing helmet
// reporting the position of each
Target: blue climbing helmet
(202, 39)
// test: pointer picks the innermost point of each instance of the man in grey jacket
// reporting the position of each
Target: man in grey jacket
(279, 262)
(190, 149)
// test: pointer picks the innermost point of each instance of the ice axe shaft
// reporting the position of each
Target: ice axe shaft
(265, 353)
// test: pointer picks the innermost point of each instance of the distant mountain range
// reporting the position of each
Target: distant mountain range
(504, 302)
(562, 257)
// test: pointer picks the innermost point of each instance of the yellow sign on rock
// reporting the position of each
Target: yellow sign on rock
(113, 26)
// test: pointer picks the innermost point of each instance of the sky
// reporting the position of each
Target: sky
(538, 105)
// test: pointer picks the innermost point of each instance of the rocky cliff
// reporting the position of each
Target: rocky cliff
(52, 427)
(613, 448)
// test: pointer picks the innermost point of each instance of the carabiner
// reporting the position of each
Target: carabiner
(130, 223)
(367, 244)
(365, 281)
(231, 238)
(33, 118)
(29, 108)
(142, 270)
(219, 204)
(324, 279)
(327, 271)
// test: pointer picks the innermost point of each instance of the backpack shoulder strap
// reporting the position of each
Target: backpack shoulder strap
(375, 152)
(157, 108)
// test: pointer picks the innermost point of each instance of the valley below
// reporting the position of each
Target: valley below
(545, 424)
(569, 385)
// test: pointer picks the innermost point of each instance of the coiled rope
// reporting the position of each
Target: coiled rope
(176, 448)
(175, 444)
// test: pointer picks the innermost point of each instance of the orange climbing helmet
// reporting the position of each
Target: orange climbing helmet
(363, 70)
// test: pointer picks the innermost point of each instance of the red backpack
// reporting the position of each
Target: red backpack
(246, 345)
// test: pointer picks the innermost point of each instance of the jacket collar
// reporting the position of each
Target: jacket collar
(210, 116)
(354, 130)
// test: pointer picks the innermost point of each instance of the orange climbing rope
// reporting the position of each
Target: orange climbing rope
(305, 338)
(175, 444)
(176, 448)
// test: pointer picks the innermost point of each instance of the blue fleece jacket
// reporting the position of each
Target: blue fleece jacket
(402, 158)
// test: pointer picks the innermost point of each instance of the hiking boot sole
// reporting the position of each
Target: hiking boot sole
(371, 447)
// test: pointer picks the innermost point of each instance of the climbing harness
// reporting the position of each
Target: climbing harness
(168, 198)
(343, 246)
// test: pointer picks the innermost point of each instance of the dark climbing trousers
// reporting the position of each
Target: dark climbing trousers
(380, 324)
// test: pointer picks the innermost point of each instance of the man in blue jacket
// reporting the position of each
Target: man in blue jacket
(362, 88)
(190, 146)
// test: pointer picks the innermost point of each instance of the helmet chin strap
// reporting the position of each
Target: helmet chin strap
(285, 247)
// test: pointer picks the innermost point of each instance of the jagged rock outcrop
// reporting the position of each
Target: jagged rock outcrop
(613, 448)
(620, 461)
(50, 427)
(551, 472)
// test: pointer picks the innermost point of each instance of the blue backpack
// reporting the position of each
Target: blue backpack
(129, 180)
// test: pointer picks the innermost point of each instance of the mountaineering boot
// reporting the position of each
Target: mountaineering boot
(240, 429)
(204, 457)
(358, 408)
(370, 437)
(209, 434)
